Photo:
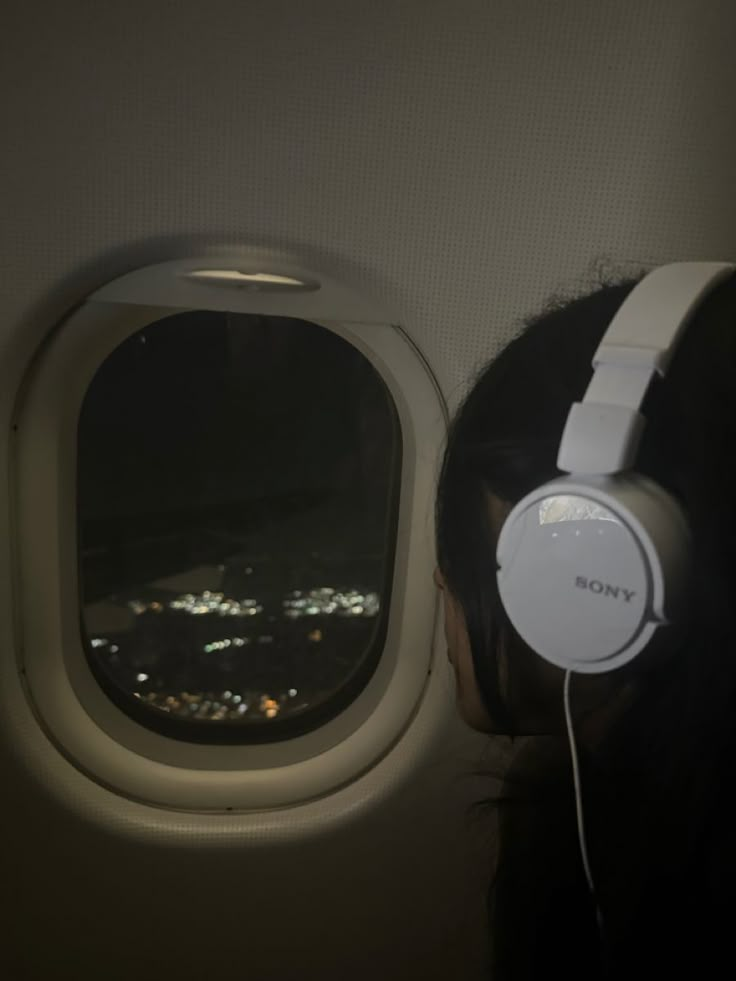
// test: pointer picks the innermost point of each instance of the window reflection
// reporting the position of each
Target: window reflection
(568, 507)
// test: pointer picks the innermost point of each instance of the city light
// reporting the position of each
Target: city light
(235, 702)
(269, 706)
(217, 706)
(326, 601)
(209, 602)
(221, 645)
(322, 601)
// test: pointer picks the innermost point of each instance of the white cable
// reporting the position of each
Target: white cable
(578, 795)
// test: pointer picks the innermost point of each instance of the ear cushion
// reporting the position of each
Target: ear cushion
(588, 568)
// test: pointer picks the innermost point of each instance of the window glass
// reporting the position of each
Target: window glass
(237, 487)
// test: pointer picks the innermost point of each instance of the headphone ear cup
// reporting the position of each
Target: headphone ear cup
(589, 569)
(667, 541)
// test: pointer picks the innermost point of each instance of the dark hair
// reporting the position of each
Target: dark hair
(658, 789)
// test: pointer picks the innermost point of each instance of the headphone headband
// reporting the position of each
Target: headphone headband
(603, 431)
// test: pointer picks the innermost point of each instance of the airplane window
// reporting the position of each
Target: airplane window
(237, 492)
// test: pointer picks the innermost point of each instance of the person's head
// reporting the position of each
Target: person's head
(503, 443)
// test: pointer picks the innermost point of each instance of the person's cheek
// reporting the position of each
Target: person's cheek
(448, 625)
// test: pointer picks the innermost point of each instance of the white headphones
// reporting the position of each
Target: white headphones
(590, 565)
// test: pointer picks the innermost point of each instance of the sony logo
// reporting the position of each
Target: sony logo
(604, 588)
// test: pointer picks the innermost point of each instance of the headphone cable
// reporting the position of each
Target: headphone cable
(579, 798)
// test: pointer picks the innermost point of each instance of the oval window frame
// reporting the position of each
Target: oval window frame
(93, 733)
